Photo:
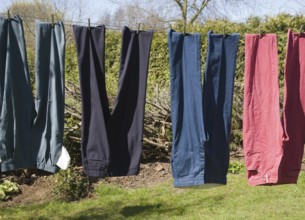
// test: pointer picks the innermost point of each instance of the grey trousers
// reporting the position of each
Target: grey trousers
(48, 127)
(31, 135)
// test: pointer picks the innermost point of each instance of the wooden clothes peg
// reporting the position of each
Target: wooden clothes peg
(89, 24)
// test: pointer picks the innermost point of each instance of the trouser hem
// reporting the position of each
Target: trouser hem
(96, 173)
(130, 172)
(217, 180)
(189, 182)
(96, 168)
(276, 180)
(7, 167)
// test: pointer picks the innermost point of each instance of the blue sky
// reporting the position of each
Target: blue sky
(273, 7)
(95, 8)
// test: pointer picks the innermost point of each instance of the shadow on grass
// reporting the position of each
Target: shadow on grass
(175, 205)
(154, 210)
(141, 211)
(129, 211)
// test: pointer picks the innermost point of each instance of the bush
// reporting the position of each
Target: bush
(235, 167)
(8, 189)
(71, 185)
(157, 129)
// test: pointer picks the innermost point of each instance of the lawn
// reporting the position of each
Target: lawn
(236, 200)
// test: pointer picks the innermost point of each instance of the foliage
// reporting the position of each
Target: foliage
(31, 64)
(236, 167)
(157, 124)
(236, 200)
(112, 63)
(8, 189)
(29, 11)
(71, 185)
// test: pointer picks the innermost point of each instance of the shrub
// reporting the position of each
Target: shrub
(71, 185)
(235, 167)
(157, 129)
(8, 189)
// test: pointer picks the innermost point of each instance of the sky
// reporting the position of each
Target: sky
(272, 7)
(92, 8)
(95, 8)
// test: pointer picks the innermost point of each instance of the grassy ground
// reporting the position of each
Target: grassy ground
(236, 200)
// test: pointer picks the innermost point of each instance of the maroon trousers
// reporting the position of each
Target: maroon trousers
(273, 147)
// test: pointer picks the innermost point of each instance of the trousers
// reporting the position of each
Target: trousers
(218, 98)
(273, 146)
(48, 126)
(188, 133)
(31, 134)
(112, 141)
(16, 101)
(294, 109)
(262, 129)
(201, 117)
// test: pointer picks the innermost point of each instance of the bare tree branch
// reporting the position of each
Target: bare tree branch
(179, 4)
(153, 143)
(198, 11)
(73, 112)
(300, 3)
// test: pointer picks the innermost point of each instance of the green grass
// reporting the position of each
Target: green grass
(236, 200)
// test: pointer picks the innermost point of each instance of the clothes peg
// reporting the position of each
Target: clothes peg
(184, 29)
(89, 26)
(301, 29)
(224, 31)
(52, 20)
(8, 14)
(139, 25)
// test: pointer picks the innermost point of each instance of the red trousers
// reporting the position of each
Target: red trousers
(273, 148)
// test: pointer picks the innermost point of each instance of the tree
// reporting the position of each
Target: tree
(185, 6)
(29, 11)
(190, 11)
(43, 10)
(131, 15)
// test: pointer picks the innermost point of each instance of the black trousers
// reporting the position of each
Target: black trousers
(112, 141)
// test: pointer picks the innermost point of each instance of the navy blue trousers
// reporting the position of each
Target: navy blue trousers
(201, 118)
(217, 98)
(112, 141)
(188, 134)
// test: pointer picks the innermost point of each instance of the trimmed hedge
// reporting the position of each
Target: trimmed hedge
(158, 80)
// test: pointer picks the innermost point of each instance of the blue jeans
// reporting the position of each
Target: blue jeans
(201, 120)
(188, 133)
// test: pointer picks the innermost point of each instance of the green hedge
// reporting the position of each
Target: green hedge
(159, 63)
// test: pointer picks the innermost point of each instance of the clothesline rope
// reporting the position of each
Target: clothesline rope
(70, 23)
